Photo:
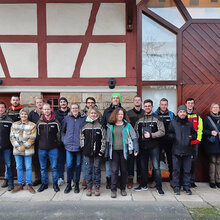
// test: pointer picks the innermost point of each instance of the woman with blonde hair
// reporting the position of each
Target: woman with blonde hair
(22, 136)
(121, 140)
(211, 137)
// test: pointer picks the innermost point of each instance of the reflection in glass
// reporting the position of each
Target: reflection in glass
(204, 9)
(167, 10)
(156, 93)
(158, 52)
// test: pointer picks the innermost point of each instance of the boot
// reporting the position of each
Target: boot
(30, 188)
(89, 192)
(43, 187)
(130, 183)
(84, 186)
(56, 187)
(18, 188)
(76, 188)
(68, 187)
(10, 187)
(97, 191)
(36, 182)
(108, 182)
(5, 183)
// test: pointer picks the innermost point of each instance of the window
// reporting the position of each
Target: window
(53, 99)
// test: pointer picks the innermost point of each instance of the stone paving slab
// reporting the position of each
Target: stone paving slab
(143, 196)
(46, 195)
(194, 204)
(23, 195)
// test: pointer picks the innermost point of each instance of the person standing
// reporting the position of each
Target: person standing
(92, 142)
(115, 103)
(212, 144)
(118, 133)
(71, 126)
(181, 132)
(60, 113)
(34, 117)
(194, 117)
(5, 144)
(134, 115)
(149, 129)
(165, 143)
(14, 109)
(48, 143)
(22, 136)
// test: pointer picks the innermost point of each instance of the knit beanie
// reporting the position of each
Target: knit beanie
(182, 107)
(116, 94)
(63, 98)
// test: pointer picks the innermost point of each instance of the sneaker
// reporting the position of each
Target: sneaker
(193, 185)
(60, 182)
(10, 187)
(160, 191)
(123, 192)
(89, 192)
(114, 194)
(5, 183)
(187, 191)
(212, 185)
(177, 191)
(141, 188)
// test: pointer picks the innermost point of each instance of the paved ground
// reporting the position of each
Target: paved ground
(150, 203)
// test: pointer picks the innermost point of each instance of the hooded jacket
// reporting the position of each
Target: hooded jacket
(61, 114)
(5, 126)
(181, 132)
(48, 133)
(134, 115)
(152, 124)
(126, 130)
(13, 113)
(92, 138)
(70, 131)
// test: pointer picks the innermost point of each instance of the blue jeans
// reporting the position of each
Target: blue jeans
(8, 165)
(27, 160)
(92, 171)
(53, 158)
(154, 155)
(61, 162)
(108, 172)
(70, 166)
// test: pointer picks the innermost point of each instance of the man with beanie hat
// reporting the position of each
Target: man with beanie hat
(60, 113)
(181, 132)
(115, 103)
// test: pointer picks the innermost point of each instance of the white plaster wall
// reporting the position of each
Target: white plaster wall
(61, 59)
(110, 19)
(104, 60)
(67, 19)
(1, 72)
(18, 19)
(21, 58)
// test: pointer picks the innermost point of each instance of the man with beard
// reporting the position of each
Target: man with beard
(14, 109)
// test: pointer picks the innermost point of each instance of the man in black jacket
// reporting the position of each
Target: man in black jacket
(60, 113)
(181, 132)
(34, 116)
(134, 115)
(5, 144)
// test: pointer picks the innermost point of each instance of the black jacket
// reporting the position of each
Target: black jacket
(34, 116)
(92, 138)
(48, 134)
(152, 124)
(5, 127)
(181, 132)
(135, 115)
(106, 115)
(60, 114)
(211, 148)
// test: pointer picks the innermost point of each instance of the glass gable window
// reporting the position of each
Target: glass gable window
(158, 52)
(203, 9)
(167, 10)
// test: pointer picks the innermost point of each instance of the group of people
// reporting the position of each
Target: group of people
(120, 138)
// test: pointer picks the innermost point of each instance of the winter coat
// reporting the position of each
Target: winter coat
(107, 113)
(13, 113)
(127, 129)
(211, 148)
(135, 115)
(5, 127)
(23, 136)
(34, 116)
(92, 138)
(152, 124)
(60, 114)
(181, 132)
(70, 132)
(48, 134)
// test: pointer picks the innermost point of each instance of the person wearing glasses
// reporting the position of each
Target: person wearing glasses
(149, 129)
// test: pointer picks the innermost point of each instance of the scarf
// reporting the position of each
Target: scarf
(53, 116)
(214, 116)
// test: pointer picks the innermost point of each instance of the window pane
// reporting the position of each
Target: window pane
(167, 10)
(156, 93)
(158, 52)
(203, 9)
